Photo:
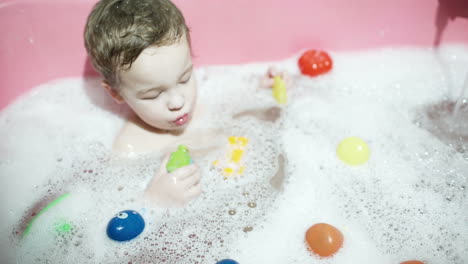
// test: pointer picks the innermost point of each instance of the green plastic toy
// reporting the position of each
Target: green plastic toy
(179, 158)
(64, 226)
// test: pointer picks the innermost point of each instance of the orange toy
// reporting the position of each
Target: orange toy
(324, 239)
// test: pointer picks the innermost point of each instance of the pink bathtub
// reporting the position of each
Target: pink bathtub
(42, 39)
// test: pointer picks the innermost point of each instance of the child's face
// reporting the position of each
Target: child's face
(160, 86)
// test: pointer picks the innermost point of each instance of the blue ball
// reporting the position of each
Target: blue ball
(125, 226)
(227, 261)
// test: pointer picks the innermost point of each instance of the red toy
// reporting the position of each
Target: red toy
(314, 63)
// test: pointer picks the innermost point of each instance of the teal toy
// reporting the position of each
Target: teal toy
(179, 158)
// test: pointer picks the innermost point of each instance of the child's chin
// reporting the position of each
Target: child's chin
(178, 128)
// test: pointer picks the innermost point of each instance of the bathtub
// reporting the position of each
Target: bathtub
(43, 39)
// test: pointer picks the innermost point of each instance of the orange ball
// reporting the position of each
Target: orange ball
(412, 262)
(324, 239)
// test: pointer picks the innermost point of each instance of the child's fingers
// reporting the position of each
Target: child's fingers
(185, 172)
(193, 179)
(266, 82)
(195, 191)
(162, 168)
(273, 71)
(284, 75)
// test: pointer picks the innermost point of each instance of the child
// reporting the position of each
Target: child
(142, 49)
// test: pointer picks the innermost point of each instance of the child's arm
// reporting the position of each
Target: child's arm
(270, 114)
(176, 188)
(264, 114)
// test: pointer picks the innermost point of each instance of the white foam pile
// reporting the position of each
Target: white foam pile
(407, 202)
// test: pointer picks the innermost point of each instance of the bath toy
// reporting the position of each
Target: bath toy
(125, 226)
(46, 208)
(412, 262)
(232, 164)
(227, 261)
(353, 151)
(63, 226)
(314, 63)
(279, 90)
(324, 239)
(179, 158)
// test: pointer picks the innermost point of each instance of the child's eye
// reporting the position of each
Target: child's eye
(186, 80)
(122, 215)
(151, 97)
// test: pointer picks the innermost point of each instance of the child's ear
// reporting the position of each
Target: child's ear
(112, 92)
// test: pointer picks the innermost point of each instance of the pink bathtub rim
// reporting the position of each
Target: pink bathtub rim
(41, 40)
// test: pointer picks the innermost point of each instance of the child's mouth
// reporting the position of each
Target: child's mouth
(182, 120)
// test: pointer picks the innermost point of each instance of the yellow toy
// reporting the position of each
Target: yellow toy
(279, 90)
(232, 164)
(353, 151)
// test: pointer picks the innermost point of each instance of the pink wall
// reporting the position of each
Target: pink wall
(42, 39)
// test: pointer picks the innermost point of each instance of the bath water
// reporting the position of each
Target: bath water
(462, 100)
(409, 201)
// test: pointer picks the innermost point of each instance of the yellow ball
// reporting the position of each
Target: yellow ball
(353, 151)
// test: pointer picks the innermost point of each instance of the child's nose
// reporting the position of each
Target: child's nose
(176, 102)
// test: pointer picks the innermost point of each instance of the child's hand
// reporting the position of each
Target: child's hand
(267, 80)
(176, 188)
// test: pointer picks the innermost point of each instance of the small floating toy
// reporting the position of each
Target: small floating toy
(63, 226)
(232, 164)
(227, 261)
(353, 151)
(279, 90)
(324, 239)
(412, 262)
(125, 226)
(314, 63)
(179, 158)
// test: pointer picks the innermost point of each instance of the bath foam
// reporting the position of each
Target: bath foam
(41, 135)
(202, 231)
(100, 185)
(407, 202)
(170, 235)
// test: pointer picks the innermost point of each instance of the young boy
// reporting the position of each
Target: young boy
(142, 49)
